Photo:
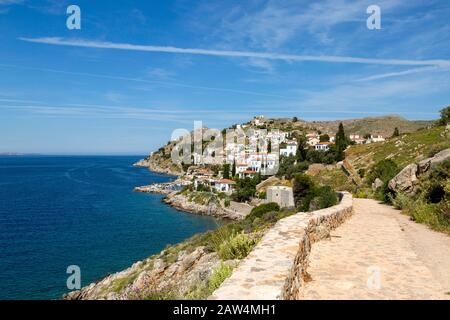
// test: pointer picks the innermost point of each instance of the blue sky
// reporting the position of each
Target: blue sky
(139, 69)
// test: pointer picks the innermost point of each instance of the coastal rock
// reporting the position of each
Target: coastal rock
(145, 280)
(377, 184)
(406, 180)
(212, 207)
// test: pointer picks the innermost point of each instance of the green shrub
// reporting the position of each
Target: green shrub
(260, 210)
(384, 170)
(428, 214)
(402, 202)
(362, 172)
(236, 247)
(245, 189)
(303, 187)
(226, 203)
(214, 239)
(262, 195)
(218, 276)
(323, 197)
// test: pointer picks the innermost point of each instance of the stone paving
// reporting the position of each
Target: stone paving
(371, 256)
(273, 270)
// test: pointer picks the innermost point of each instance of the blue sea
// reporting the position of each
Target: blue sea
(62, 211)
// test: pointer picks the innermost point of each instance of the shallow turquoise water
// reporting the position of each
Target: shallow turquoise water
(61, 211)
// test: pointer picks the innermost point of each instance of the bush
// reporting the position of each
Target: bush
(324, 197)
(218, 276)
(303, 190)
(245, 189)
(236, 247)
(260, 210)
(362, 172)
(262, 195)
(214, 239)
(384, 170)
(402, 202)
(203, 188)
(445, 116)
(226, 203)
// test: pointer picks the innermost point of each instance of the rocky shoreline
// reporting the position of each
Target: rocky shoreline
(154, 275)
(152, 166)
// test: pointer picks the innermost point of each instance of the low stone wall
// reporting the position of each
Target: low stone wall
(276, 268)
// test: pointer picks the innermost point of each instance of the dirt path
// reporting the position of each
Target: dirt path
(380, 254)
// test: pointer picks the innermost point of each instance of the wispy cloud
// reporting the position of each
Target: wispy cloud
(403, 73)
(230, 53)
(140, 80)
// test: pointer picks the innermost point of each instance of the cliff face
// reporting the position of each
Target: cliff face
(161, 164)
(202, 203)
(154, 278)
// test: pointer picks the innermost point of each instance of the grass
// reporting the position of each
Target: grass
(218, 276)
(406, 149)
(336, 179)
(422, 212)
(237, 246)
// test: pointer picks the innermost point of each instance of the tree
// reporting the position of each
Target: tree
(226, 171)
(445, 116)
(341, 143)
(303, 188)
(396, 133)
(367, 136)
(269, 146)
(324, 138)
(245, 189)
(302, 148)
(233, 169)
(294, 119)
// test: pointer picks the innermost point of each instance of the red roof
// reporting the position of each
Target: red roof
(226, 181)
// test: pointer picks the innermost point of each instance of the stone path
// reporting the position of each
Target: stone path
(379, 254)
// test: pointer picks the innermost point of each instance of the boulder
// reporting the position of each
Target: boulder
(377, 184)
(406, 180)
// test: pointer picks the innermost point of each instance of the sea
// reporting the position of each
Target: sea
(62, 211)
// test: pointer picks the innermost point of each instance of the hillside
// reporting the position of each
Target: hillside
(383, 125)
(159, 161)
(403, 150)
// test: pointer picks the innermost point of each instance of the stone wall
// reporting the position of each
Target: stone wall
(276, 268)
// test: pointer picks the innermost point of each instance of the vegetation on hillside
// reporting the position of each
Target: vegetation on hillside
(431, 203)
(308, 196)
(403, 150)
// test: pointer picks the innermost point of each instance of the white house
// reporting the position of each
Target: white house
(262, 162)
(224, 185)
(291, 149)
(360, 140)
(247, 173)
(322, 146)
(312, 139)
(377, 138)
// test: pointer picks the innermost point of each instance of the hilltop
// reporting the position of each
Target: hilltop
(383, 125)
(159, 161)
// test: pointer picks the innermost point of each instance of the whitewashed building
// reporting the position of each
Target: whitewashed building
(377, 138)
(290, 150)
(322, 146)
(224, 185)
